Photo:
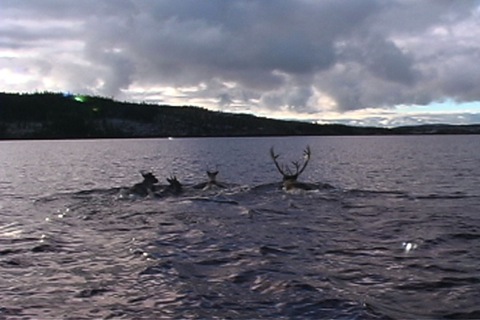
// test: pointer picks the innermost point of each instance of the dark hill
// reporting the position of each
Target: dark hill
(58, 116)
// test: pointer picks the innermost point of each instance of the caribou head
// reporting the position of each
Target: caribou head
(174, 186)
(212, 176)
(290, 175)
(146, 186)
(148, 178)
(212, 182)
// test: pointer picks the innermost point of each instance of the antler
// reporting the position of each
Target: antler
(299, 168)
(306, 155)
(274, 158)
(172, 180)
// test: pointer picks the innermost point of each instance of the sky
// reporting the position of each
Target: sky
(359, 62)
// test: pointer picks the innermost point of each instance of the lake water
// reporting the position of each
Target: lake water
(396, 236)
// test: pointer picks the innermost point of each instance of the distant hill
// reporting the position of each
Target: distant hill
(58, 116)
(438, 129)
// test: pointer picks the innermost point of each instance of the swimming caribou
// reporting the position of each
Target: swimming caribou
(290, 177)
(212, 182)
(145, 187)
(289, 172)
(174, 186)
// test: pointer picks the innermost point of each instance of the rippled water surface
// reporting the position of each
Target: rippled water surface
(391, 231)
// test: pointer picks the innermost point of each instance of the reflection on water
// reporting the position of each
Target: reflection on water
(396, 236)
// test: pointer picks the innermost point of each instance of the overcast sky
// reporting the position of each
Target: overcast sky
(364, 62)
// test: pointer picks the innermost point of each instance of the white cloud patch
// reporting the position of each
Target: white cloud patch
(267, 57)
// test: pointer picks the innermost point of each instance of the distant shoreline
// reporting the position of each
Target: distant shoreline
(225, 137)
(55, 116)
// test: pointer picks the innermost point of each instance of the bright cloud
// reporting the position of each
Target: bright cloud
(347, 61)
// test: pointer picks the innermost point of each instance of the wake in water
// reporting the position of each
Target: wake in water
(222, 252)
(236, 251)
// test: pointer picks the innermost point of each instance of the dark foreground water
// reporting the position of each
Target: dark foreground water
(396, 236)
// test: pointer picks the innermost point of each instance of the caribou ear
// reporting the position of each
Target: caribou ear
(212, 173)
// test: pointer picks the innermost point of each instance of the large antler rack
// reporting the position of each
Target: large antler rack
(286, 171)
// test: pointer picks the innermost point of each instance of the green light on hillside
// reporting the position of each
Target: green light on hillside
(80, 99)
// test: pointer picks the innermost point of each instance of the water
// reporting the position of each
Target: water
(396, 237)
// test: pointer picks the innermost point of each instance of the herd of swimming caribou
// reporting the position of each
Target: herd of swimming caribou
(290, 175)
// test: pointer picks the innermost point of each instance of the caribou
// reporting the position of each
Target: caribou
(145, 187)
(212, 182)
(290, 175)
(174, 186)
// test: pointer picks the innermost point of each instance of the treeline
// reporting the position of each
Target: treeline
(64, 116)
(59, 116)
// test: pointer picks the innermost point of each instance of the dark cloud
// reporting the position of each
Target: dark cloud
(386, 60)
(273, 54)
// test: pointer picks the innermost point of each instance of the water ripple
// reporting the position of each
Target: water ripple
(383, 247)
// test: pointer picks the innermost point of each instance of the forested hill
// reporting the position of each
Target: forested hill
(53, 115)
(60, 116)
